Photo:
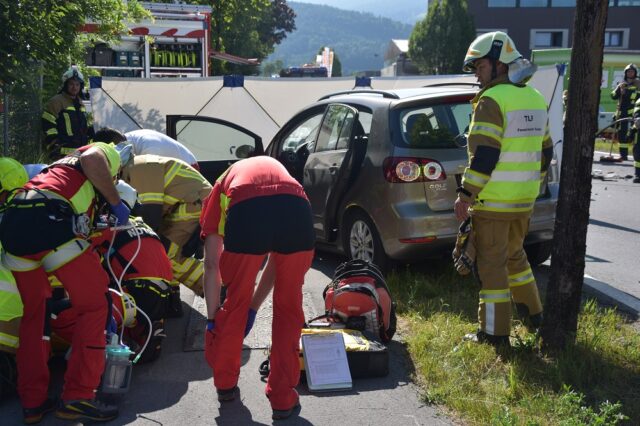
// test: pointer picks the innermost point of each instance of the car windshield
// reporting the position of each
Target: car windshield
(435, 126)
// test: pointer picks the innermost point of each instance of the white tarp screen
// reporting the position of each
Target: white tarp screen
(263, 105)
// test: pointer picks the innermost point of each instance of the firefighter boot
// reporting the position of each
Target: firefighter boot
(532, 322)
(482, 337)
(137, 336)
(174, 304)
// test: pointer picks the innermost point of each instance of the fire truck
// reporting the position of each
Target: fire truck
(176, 43)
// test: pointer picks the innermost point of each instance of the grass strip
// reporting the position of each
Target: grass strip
(594, 382)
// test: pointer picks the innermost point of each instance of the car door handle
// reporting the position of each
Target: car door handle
(333, 169)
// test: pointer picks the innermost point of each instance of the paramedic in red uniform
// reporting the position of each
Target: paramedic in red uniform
(43, 232)
(256, 209)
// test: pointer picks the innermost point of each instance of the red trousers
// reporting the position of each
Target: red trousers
(224, 344)
(86, 282)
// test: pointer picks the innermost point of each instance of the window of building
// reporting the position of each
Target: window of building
(563, 3)
(549, 38)
(533, 3)
(616, 38)
(628, 3)
(502, 3)
(613, 38)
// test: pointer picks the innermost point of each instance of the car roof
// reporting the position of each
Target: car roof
(373, 97)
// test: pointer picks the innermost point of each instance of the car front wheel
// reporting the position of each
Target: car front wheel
(361, 241)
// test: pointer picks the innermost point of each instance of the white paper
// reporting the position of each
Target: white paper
(326, 362)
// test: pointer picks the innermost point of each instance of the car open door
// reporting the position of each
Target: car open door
(216, 143)
(328, 171)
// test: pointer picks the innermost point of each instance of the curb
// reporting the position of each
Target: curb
(603, 291)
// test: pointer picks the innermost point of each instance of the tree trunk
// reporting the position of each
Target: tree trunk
(562, 302)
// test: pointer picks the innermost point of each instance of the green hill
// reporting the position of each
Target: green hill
(359, 39)
(407, 11)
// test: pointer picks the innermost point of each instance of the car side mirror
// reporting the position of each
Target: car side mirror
(244, 151)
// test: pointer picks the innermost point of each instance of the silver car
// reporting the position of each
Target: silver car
(381, 170)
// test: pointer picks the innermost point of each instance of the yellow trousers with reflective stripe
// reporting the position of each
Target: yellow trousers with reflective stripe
(186, 270)
(9, 331)
(504, 272)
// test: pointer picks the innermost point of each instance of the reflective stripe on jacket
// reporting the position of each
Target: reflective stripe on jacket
(627, 99)
(67, 123)
(10, 311)
(514, 183)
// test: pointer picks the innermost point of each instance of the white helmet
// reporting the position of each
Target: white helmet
(72, 72)
(128, 194)
(495, 45)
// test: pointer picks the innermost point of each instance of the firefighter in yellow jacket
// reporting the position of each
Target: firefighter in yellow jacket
(65, 122)
(12, 175)
(509, 152)
(171, 194)
(626, 93)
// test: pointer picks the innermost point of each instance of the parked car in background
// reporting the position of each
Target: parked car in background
(381, 170)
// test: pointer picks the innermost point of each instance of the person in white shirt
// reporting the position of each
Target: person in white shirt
(148, 141)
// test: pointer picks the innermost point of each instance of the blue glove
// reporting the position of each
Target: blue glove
(122, 213)
(251, 318)
(211, 324)
(112, 326)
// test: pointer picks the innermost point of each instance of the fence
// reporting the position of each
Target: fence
(20, 128)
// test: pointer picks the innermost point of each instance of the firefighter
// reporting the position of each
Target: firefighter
(146, 279)
(12, 175)
(65, 121)
(44, 231)
(256, 209)
(627, 92)
(171, 195)
(636, 146)
(508, 159)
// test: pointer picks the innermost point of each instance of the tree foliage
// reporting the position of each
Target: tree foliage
(45, 32)
(249, 29)
(439, 42)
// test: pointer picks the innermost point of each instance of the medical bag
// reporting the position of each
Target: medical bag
(359, 297)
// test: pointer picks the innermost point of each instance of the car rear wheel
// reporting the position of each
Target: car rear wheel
(361, 240)
(538, 253)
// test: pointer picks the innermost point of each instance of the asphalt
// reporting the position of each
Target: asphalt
(178, 388)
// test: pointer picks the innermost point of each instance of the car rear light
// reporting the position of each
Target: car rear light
(418, 240)
(412, 169)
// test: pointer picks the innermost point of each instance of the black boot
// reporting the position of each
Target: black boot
(174, 304)
(482, 337)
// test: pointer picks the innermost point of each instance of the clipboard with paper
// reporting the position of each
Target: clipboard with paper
(325, 359)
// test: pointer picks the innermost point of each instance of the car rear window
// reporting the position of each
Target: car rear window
(435, 126)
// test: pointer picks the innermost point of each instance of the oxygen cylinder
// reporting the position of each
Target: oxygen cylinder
(117, 369)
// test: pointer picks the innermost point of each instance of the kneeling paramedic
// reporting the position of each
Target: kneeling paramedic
(44, 231)
(509, 153)
(256, 209)
(139, 264)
